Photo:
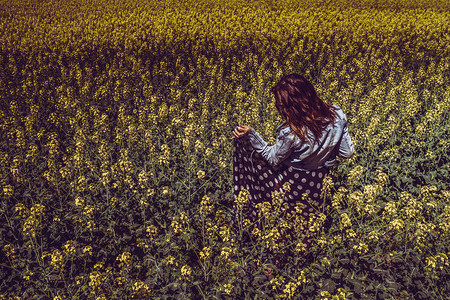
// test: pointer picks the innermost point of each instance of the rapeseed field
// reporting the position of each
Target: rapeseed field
(116, 150)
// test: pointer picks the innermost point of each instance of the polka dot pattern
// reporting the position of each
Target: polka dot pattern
(250, 170)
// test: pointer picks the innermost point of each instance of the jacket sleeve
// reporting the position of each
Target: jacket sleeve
(346, 149)
(276, 153)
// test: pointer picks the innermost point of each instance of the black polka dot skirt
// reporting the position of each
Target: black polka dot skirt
(252, 173)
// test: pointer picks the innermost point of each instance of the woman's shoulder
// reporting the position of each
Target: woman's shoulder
(341, 116)
(284, 129)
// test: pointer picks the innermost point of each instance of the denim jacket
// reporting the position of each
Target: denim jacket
(291, 151)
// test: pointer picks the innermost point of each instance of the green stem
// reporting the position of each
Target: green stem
(201, 292)
(189, 178)
(10, 265)
(36, 252)
(10, 225)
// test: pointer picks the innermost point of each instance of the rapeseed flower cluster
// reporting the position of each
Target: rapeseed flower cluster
(124, 259)
(436, 263)
(205, 253)
(243, 197)
(186, 271)
(10, 252)
(345, 221)
(69, 248)
(205, 205)
(33, 221)
(141, 289)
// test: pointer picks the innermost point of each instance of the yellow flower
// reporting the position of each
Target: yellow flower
(300, 247)
(227, 288)
(265, 208)
(362, 248)
(396, 224)
(28, 275)
(351, 233)
(8, 190)
(170, 260)
(390, 208)
(9, 250)
(373, 236)
(341, 294)
(246, 223)
(119, 280)
(205, 253)
(243, 197)
(177, 228)
(88, 211)
(164, 158)
(143, 178)
(327, 185)
(152, 231)
(356, 199)
(325, 295)
(199, 145)
(289, 290)
(287, 186)
(186, 270)
(256, 232)
(150, 192)
(325, 262)
(99, 265)
(79, 201)
(69, 247)
(345, 221)
(124, 258)
(143, 201)
(224, 233)
(165, 190)
(21, 209)
(302, 278)
(354, 174)
(299, 207)
(95, 279)
(57, 260)
(277, 282)
(201, 174)
(205, 205)
(142, 288)
(87, 249)
(226, 252)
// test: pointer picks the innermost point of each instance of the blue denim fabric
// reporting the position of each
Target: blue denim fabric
(291, 151)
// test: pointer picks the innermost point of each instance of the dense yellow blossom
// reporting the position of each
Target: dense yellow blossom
(201, 174)
(57, 260)
(205, 253)
(206, 205)
(124, 259)
(69, 247)
(227, 288)
(345, 220)
(396, 225)
(186, 271)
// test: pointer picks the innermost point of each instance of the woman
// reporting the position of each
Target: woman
(313, 135)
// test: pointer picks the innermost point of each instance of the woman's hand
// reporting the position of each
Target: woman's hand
(240, 131)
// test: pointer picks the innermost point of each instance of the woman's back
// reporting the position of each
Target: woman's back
(307, 144)
(311, 153)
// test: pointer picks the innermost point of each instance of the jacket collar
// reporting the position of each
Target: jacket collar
(281, 125)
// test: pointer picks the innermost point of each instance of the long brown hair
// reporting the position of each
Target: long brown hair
(298, 104)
